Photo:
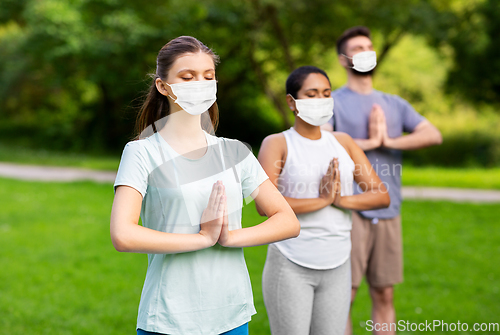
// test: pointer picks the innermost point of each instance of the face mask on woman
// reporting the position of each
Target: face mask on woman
(364, 61)
(316, 112)
(195, 97)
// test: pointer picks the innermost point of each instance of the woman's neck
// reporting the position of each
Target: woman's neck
(181, 126)
(184, 134)
(306, 130)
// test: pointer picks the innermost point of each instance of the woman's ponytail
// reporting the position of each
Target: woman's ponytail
(155, 107)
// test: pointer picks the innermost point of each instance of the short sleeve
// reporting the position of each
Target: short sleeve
(133, 171)
(252, 174)
(410, 117)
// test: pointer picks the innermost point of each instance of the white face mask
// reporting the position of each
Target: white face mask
(195, 97)
(364, 61)
(316, 112)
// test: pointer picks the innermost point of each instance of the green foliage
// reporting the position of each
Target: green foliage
(61, 275)
(475, 40)
(72, 73)
(470, 149)
(69, 76)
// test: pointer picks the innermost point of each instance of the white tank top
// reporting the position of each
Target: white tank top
(325, 235)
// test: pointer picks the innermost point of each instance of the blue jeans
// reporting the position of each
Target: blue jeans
(241, 330)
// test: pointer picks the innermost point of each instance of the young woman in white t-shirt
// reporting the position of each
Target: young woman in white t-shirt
(307, 280)
(188, 187)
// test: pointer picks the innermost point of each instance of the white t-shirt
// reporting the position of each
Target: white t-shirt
(201, 292)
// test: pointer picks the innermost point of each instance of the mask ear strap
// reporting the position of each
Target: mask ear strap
(175, 101)
(351, 67)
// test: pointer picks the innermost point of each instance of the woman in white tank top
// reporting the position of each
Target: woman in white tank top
(307, 280)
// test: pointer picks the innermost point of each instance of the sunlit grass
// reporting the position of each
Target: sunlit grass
(61, 275)
(24, 155)
(451, 177)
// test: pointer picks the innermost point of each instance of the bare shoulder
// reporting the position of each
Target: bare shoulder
(274, 141)
(344, 139)
(273, 148)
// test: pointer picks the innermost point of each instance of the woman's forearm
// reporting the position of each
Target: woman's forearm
(307, 205)
(131, 237)
(280, 226)
(128, 236)
(371, 199)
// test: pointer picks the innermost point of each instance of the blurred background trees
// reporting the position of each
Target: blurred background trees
(73, 73)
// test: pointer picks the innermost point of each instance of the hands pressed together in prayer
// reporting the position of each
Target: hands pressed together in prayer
(214, 219)
(329, 187)
(377, 127)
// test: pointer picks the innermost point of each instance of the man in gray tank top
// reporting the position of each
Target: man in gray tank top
(377, 122)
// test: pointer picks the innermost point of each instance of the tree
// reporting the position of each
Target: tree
(475, 39)
(72, 72)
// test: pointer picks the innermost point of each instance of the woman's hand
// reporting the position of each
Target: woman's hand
(224, 234)
(213, 216)
(327, 185)
(336, 184)
(281, 223)
(377, 126)
(375, 195)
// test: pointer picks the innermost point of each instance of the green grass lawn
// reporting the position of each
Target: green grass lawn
(451, 177)
(61, 275)
(23, 155)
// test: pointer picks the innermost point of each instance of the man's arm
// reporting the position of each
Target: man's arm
(424, 135)
(367, 144)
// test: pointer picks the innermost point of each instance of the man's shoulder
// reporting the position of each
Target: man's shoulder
(341, 91)
(345, 92)
(390, 97)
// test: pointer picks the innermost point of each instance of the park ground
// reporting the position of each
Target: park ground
(61, 274)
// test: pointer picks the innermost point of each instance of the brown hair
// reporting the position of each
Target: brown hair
(156, 105)
(350, 33)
